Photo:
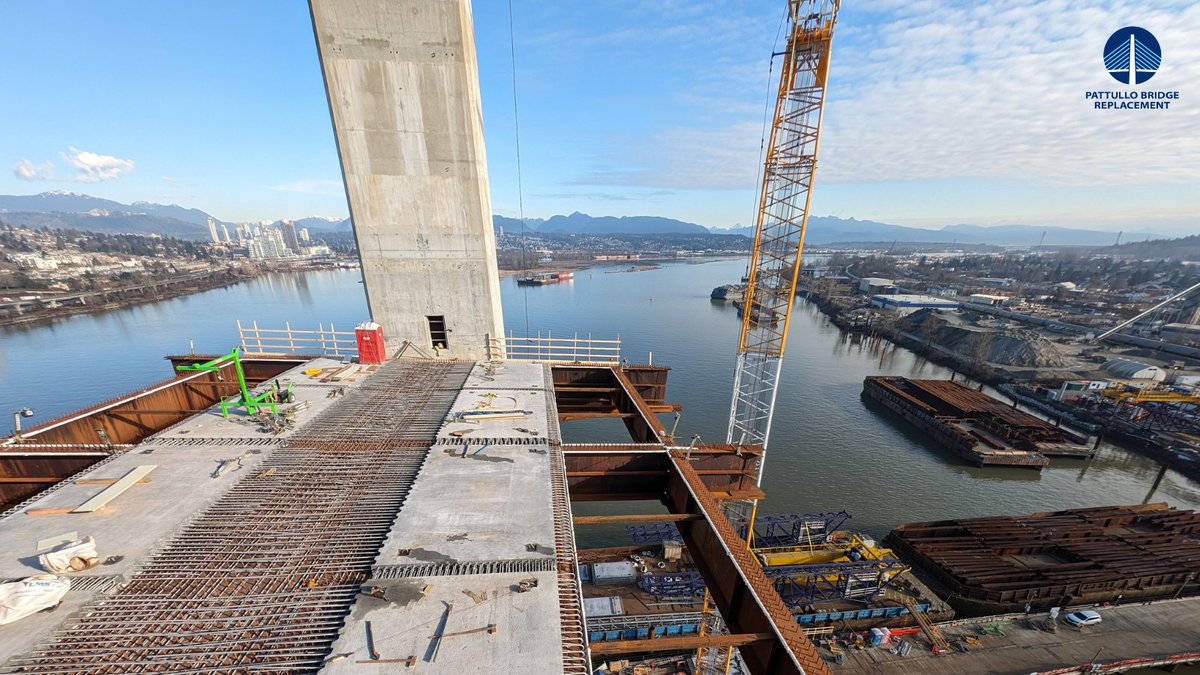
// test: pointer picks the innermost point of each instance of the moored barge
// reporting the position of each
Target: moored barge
(973, 425)
(1056, 559)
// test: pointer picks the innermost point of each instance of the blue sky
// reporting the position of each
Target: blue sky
(939, 112)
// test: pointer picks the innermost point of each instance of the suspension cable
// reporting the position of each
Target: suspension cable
(512, 46)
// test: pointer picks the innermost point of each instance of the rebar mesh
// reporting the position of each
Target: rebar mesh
(262, 580)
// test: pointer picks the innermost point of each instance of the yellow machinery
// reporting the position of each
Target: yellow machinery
(841, 547)
(1119, 395)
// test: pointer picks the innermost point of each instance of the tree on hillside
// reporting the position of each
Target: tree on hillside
(979, 349)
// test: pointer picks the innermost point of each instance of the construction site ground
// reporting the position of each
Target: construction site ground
(1126, 632)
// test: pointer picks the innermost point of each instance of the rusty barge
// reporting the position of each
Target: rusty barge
(973, 425)
(1056, 559)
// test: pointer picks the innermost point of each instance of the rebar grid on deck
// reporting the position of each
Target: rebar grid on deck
(471, 568)
(262, 580)
(576, 657)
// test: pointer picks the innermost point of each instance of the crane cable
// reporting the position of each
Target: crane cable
(512, 47)
(762, 139)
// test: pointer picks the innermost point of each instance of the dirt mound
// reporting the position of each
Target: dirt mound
(1014, 347)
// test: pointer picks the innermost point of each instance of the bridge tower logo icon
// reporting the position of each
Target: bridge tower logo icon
(1132, 55)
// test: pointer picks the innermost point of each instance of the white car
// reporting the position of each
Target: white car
(1082, 618)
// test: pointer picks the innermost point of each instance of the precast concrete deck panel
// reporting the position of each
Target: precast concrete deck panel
(475, 524)
(526, 637)
(495, 505)
(477, 503)
(153, 519)
(528, 423)
(140, 520)
(1125, 632)
(130, 525)
(501, 375)
(481, 523)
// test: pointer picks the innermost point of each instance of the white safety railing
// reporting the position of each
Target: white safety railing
(555, 349)
(324, 341)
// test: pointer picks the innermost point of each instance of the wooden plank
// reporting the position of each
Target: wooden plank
(53, 542)
(103, 481)
(113, 491)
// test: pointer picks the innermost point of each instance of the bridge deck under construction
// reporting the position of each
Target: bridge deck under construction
(261, 568)
(416, 514)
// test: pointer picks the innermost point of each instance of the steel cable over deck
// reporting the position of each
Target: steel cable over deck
(262, 580)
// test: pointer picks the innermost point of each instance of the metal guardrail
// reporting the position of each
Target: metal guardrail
(325, 341)
(328, 341)
(555, 350)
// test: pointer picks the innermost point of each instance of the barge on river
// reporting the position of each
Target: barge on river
(975, 426)
(1056, 559)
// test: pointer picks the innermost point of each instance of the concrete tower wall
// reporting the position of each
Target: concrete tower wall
(403, 89)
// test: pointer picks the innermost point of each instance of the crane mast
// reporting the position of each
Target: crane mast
(786, 193)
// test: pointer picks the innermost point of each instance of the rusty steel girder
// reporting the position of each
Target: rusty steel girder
(619, 472)
(588, 392)
(746, 600)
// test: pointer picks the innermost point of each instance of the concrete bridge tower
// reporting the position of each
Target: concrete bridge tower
(403, 89)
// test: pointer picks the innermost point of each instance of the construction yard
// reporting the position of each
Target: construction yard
(1004, 646)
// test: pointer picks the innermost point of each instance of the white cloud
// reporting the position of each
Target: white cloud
(953, 91)
(27, 170)
(94, 168)
(314, 186)
(939, 90)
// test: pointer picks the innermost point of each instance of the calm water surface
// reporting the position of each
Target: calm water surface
(829, 450)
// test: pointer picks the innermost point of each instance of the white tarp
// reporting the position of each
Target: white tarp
(19, 599)
(73, 556)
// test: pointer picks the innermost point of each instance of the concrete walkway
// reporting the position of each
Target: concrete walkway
(1127, 632)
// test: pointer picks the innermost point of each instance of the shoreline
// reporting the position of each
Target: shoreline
(1003, 382)
(641, 265)
(135, 295)
(46, 315)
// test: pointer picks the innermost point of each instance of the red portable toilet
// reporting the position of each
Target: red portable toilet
(370, 342)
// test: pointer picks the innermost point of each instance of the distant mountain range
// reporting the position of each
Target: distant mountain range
(84, 212)
(323, 223)
(60, 209)
(828, 230)
(582, 223)
(832, 230)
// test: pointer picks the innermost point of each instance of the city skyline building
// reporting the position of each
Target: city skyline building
(288, 229)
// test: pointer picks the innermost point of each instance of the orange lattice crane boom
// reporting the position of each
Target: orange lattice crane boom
(786, 195)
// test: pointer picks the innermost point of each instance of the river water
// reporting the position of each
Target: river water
(829, 450)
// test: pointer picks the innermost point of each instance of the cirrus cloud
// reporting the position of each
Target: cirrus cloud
(937, 90)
